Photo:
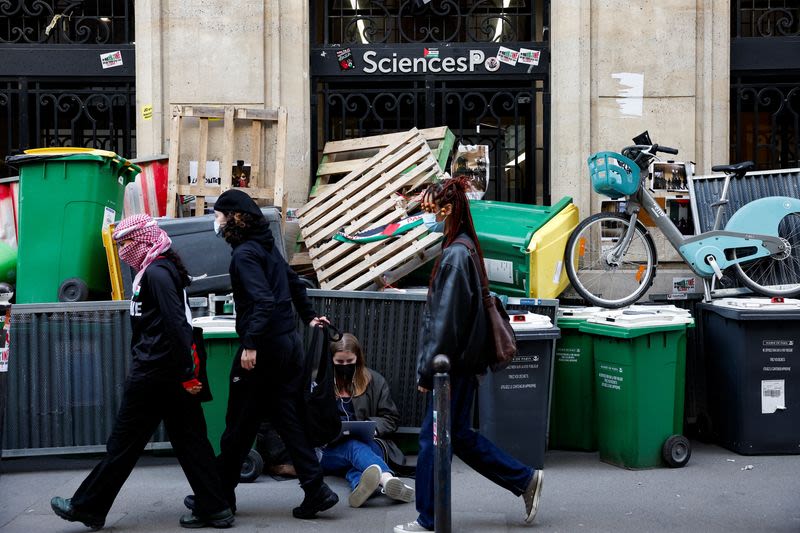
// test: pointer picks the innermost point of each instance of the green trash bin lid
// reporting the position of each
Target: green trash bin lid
(216, 327)
(37, 155)
(631, 326)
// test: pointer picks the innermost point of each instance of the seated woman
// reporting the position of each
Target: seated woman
(363, 394)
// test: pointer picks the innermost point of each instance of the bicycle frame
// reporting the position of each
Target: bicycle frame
(708, 254)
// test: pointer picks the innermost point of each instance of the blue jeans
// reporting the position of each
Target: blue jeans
(350, 458)
(470, 446)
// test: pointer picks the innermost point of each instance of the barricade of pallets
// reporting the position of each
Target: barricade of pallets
(374, 193)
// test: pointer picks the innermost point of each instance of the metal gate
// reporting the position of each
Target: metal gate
(68, 75)
(506, 109)
(765, 83)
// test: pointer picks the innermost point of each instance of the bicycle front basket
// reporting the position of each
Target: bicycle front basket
(613, 174)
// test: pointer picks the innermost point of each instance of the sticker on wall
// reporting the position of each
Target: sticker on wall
(111, 59)
(345, 59)
(507, 56)
(430, 52)
(631, 93)
(683, 285)
(147, 112)
(529, 57)
(492, 64)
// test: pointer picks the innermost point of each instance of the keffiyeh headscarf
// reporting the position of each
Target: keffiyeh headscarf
(149, 241)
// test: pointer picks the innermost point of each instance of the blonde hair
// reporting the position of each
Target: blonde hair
(362, 377)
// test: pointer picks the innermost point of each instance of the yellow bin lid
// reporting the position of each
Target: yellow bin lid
(69, 150)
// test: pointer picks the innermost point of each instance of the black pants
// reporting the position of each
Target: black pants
(145, 403)
(273, 390)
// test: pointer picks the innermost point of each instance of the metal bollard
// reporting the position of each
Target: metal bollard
(441, 442)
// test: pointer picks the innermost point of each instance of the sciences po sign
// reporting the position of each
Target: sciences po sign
(462, 59)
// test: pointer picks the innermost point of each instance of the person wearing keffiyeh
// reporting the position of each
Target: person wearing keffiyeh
(162, 386)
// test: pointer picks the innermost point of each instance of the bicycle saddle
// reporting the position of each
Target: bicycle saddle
(736, 168)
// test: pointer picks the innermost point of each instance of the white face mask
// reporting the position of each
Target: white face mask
(218, 228)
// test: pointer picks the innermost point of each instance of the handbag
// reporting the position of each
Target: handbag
(323, 423)
(500, 343)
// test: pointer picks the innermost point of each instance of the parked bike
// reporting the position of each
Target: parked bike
(611, 259)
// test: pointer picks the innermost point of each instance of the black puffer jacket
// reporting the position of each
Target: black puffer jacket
(454, 321)
(264, 287)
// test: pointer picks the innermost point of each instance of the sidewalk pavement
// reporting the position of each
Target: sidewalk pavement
(716, 492)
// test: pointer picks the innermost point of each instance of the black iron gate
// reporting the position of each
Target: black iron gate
(765, 83)
(67, 75)
(506, 108)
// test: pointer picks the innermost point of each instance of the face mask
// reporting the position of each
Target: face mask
(218, 228)
(429, 219)
(345, 373)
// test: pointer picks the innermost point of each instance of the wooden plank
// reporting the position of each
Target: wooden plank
(264, 193)
(199, 111)
(378, 141)
(228, 147)
(367, 196)
(340, 167)
(203, 157)
(395, 260)
(250, 113)
(367, 259)
(199, 205)
(374, 160)
(172, 169)
(280, 195)
(315, 209)
(391, 276)
(255, 154)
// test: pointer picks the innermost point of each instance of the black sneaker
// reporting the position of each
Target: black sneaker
(322, 500)
(188, 502)
(63, 508)
(221, 520)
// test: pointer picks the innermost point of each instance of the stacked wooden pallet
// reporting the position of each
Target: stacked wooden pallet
(370, 195)
(339, 158)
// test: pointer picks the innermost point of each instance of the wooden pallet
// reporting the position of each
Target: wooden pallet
(259, 120)
(371, 195)
(339, 158)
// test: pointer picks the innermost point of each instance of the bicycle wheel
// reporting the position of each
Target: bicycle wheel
(776, 275)
(596, 275)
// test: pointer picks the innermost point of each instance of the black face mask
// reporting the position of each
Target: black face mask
(345, 373)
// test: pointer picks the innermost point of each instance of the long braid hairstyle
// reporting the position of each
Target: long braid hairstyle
(454, 191)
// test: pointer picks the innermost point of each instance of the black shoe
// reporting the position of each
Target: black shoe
(221, 520)
(63, 508)
(188, 502)
(323, 499)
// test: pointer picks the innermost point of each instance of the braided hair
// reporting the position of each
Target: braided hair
(453, 191)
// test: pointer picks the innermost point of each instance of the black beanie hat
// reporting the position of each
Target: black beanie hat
(237, 201)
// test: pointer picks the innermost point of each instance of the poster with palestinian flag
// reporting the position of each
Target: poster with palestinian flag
(380, 233)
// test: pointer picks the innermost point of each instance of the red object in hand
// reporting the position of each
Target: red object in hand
(192, 383)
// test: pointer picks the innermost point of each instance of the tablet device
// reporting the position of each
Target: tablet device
(363, 430)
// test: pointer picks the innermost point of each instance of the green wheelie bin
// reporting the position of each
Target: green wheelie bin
(640, 364)
(573, 417)
(67, 196)
(222, 343)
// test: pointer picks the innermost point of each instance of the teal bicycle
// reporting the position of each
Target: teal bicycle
(611, 259)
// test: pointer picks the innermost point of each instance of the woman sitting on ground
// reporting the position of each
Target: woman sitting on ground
(363, 394)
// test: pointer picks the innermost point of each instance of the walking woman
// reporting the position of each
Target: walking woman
(455, 325)
(363, 394)
(267, 374)
(162, 385)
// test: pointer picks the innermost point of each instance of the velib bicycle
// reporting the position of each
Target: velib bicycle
(611, 260)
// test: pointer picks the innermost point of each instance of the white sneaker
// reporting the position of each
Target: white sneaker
(370, 479)
(411, 526)
(531, 496)
(397, 490)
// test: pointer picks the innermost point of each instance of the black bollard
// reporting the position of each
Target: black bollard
(441, 443)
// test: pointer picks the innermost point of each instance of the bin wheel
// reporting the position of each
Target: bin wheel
(676, 451)
(73, 290)
(252, 467)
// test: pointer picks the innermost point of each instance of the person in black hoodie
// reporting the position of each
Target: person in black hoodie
(267, 374)
(454, 324)
(162, 386)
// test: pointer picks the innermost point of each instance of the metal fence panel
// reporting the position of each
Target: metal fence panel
(67, 368)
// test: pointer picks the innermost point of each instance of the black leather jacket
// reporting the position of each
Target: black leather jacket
(453, 321)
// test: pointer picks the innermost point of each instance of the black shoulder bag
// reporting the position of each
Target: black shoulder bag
(323, 423)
